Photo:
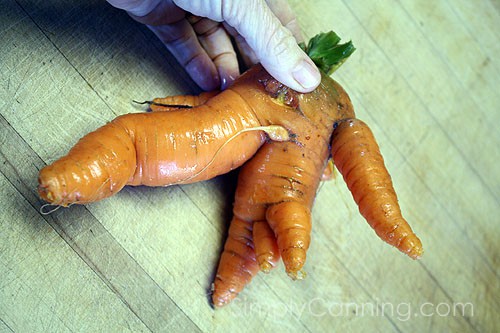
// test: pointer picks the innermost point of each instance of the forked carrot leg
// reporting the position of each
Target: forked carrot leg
(291, 222)
(237, 265)
(266, 248)
(357, 156)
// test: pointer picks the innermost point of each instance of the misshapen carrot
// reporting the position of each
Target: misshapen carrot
(357, 156)
(279, 183)
(283, 136)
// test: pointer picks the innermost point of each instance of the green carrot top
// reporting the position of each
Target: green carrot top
(326, 52)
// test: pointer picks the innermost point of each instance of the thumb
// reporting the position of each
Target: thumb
(273, 44)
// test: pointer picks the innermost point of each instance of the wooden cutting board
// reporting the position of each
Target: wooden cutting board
(425, 76)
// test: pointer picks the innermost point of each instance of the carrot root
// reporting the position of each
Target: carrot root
(283, 138)
(81, 177)
(237, 265)
(291, 223)
(329, 172)
(357, 156)
(266, 248)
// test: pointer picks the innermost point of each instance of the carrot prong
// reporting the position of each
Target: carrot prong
(237, 265)
(266, 248)
(291, 223)
(357, 157)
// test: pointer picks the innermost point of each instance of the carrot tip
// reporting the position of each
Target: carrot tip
(221, 300)
(266, 261)
(265, 267)
(218, 304)
(416, 253)
(294, 259)
(221, 293)
(412, 246)
(297, 275)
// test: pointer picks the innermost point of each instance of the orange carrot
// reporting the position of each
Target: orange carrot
(154, 149)
(329, 172)
(266, 248)
(277, 194)
(283, 136)
(291, 221)
(240, 263)
(357, 156)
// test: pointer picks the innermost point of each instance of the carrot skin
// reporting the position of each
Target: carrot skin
(98, 166)
(291, 222)
(270, 180)
(237, 265)
(357, 156)
(153, 149)
(266, 247)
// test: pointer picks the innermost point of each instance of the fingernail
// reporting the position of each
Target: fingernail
(226, 78)
(306, 75)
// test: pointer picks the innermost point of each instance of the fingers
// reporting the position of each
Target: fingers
(209, 58)
(245, 51)
(284, 13)
(136, 7)
(275, 46)
(151, 12)
(206, 58)
(181, 40)
(215, 40)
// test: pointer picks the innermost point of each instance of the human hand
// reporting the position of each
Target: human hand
(264, 31)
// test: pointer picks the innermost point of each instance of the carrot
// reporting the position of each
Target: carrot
(266, 248)
(329, 172)
(291, 221)
(357, 156)
(281, 139)
(154, 149)
(240, 263)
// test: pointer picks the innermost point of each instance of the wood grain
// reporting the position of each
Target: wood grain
(425, 76)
